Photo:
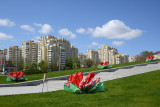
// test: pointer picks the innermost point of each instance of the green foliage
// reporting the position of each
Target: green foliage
(88, 63)
(20, 66)
(43, 65)
(143, 55)
(72, 63)
(33, 66)
(34, 71)
(54, 67)
(26, 66)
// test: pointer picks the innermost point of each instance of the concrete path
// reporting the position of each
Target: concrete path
(55, 85)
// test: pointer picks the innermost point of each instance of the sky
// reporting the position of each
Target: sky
(131, 26)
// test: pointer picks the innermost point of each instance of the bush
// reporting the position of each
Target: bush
(34, 71)
(67, 68)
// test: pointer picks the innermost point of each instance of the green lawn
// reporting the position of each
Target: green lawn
(135, 91)
(66, 72)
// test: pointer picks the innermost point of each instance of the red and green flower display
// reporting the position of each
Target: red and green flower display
(104, 65)
(76, 84)
(151, 58)
(16, 76)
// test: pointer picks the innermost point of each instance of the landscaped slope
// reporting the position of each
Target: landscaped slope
(134, 91)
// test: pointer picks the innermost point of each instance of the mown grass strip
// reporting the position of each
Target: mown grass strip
(135, 91)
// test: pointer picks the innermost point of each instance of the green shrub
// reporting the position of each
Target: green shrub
(67, 68)
(34, 71)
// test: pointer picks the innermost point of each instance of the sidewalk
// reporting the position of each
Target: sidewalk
(54, 85)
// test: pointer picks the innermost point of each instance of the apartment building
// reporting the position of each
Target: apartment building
(92, 54)
(74, 51)
(81, 58)
(29, 52)
(132, 59)
(14, 54)
(105, 52)
(55, 50)
(118, 59)
(1, 54)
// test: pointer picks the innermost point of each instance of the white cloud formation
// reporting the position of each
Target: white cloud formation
(114, 29)
(27, 28)
(117, 43)
(36, 38)
(66, 32)
(81, 30)
(45, 29)
(95, 44)
(7, 22)
(37, 24)
(4, 36)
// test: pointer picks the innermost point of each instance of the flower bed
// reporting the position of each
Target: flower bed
(76, 84)
(104, 65)
(16, 76)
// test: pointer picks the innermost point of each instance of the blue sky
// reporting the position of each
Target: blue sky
(131, 26)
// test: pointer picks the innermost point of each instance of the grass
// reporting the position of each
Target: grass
(134, 91)
(66, 72)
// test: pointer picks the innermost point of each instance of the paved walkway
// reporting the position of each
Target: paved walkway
(55, 85)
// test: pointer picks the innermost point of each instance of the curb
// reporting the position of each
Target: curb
(38, 82)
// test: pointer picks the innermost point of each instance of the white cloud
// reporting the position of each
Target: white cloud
(114, 29)
(27, 28)
(45, 29)
(95, 44)
(36, 38)
(81, 30)
(117, 43)
(37, 24)
(4, 36)
(66, 32)
(6, 22)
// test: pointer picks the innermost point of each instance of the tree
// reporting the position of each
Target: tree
(69, 63)
(72, 63)
(20, 66)
(88, 62)
(158, 52)
(26, 66)
(143, 55)
(43, 65)
(33, 65)
(54, 67)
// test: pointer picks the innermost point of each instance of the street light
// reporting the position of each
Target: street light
(59, 55)
(17, 59)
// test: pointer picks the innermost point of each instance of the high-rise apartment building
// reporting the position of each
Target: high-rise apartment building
(74, 51)
(14, 54)
(92, 54)
(81, 58)
(2, 54)
(118, 59)
(55, 50)
(105, 52)
(29, 52)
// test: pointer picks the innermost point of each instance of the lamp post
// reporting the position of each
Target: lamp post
(59, 55)
(17, 59)
(4, 65)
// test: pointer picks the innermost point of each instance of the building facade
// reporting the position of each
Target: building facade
(14, 54)
(29, 52)
(104, 53)
(55, 50)
(92, 54)
(132, 59)
(81, 58)
(118, 59)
